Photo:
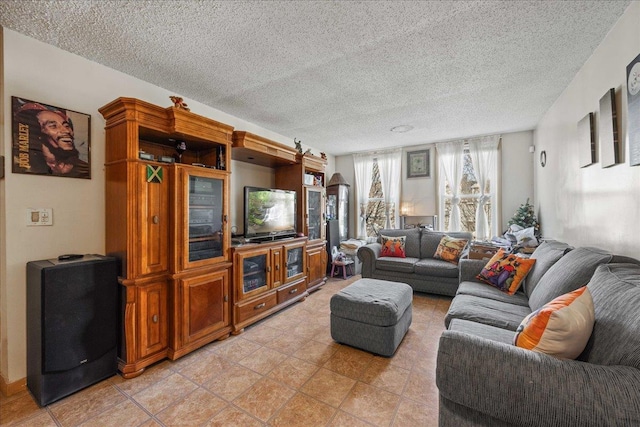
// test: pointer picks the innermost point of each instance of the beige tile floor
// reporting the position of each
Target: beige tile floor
(283, 371)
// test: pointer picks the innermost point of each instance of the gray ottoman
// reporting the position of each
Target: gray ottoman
(373, 315)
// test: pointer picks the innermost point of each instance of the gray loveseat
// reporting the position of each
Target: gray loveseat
(419, 269)
(484, 380)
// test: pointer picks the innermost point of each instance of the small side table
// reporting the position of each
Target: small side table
(344, 264)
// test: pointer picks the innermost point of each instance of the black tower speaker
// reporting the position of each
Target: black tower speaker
(333, 239)
(71, 325)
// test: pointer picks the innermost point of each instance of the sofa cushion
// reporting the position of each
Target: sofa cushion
(404, 265)
(547, 254)
(429, 241)
(615, 289)
(393, 246)
(505, 271)
(436, 268)
(561, 328)
(486, 291)
(450, 249)
(412, 239)
(480, 330)
(569, 273)
(487, 311)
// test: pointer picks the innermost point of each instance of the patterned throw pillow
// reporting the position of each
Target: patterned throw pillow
(561, 327)
(450, 249)
(506, 271)
(393, 246)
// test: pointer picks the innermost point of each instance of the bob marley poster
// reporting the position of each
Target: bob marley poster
(49, 140)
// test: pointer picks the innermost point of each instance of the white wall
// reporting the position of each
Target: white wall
(591, 206)
(517, 173)
(421, 193)
(41, 72)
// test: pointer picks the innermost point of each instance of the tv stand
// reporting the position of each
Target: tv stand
(267, 278)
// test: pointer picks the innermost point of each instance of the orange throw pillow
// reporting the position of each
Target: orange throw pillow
(450, 249)
(393, 246)
(560, 328)
(506, 271)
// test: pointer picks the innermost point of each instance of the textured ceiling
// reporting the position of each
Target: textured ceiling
(339, 75)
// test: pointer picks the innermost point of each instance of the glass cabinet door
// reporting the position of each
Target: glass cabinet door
(205, 212)
(343, 212)
(315, 213)
(332, 205)
(254, 273)
(294, 263)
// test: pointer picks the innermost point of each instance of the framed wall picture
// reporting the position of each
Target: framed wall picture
(608, 130)
(633, 113)
(418, 164)
(50, 140)
(586, 141)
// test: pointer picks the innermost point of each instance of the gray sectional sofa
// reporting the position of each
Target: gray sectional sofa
(419, 269)
(484, 380)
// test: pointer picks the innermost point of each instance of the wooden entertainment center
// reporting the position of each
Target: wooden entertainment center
(183, 284)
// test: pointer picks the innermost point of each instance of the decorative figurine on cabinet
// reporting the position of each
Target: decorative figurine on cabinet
(298, 145)
(179, 103)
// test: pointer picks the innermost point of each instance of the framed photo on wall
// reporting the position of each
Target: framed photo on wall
(633, 105)
(418, 164)
(49, 140)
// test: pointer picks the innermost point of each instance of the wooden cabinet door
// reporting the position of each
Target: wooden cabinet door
(252, 273)
(152, 318)
(152, 234)
(276, 267)
(205, 305)
(295, 261)
(316, 265)
(201, 216)
(314, 206)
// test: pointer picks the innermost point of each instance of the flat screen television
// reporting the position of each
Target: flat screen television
(269, 212)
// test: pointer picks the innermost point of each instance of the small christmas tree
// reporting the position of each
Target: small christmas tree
(525, 218)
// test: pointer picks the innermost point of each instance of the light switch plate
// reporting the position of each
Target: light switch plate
(39, 216)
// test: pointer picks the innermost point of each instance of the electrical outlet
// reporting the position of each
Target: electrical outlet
(39, 216)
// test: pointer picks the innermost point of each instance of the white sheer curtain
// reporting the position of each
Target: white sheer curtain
(451, 155)
(363, 167)
(390, 165)
(484, 155)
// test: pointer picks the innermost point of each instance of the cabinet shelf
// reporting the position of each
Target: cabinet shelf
(253, 273)
(255, 149)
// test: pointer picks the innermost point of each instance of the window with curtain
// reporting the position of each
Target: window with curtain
(375, 218)
(468, 193)
(472, 206)
(378, 190)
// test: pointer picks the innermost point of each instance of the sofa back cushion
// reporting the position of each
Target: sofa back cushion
(547, 254)
(430, 240)
(411, 243)
(615, 340)
(569, 273)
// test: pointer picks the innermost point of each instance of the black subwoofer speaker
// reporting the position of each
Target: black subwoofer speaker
(71, 325)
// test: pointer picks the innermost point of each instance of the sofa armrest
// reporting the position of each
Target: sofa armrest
(368, 254)
(528, 388)
(470, 268)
